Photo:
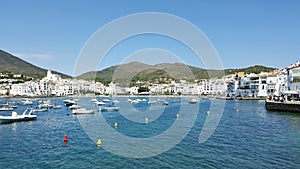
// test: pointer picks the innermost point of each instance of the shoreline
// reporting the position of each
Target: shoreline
(139, 96)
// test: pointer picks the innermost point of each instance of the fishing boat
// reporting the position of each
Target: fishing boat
(82, 111)
(14, 117)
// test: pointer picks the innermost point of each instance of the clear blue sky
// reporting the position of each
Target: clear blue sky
(51, 33)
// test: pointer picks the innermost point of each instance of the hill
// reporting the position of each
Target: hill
(13, 64)
(132, 72)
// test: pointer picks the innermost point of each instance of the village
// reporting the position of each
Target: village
(235, 85)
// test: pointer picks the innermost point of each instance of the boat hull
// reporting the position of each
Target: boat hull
(283, 106)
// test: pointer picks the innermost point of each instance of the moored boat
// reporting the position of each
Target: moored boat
(82, 111)
(6, 108)
(112, 108)
(14, 117)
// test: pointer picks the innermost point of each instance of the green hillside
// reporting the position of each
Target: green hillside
(15, 65)
(129, 73)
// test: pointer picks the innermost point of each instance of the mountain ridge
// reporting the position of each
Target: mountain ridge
(12, 64)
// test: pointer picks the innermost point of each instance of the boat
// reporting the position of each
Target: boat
(46, 105)
(40, 110)
(135, 101)
(94, 100)
(99, 103)
(165, 103)
(112, 108)
(82, 111)
(69, 102)
(74, 107)
(6, 108)
(193, 101)
(289, 101)
(56, 107)
(105, 100)
(116, 101)
(6, 104)
(14, 117)
(27, 102)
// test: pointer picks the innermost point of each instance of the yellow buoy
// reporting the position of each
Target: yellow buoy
(146, 120)
(99, 142)
(116, 124)
(237, 110)
(177, 115)
(208, 112)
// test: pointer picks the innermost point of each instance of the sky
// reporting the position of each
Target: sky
(52, 33)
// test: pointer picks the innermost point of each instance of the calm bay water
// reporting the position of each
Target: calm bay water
(249, 138)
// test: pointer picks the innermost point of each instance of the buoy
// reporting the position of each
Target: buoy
(208, 112)
(116, 124)
(99, 142)
(237, 110)
(146, 120)
(177, 115)
(65, 138)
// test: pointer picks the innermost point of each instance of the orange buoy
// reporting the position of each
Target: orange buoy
(65, 138)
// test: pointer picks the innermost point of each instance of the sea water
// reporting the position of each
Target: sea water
(247, 136)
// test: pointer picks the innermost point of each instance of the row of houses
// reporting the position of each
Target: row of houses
(239, 84)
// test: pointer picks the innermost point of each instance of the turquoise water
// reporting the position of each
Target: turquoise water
(249, 138)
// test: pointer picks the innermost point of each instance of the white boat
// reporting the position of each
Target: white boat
(27, 102)
(74, 107)
(94, 100)
(112, 108)
(135, 101)
(40, 110)
(193, 101)
(6, 108)
(82, 111)
(165, 103)
(27, 115)
(46, 105)
(57, 107)
(69, 102)
(100, 103)
(105, 100)
(116, 101)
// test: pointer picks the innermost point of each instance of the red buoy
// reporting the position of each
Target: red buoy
(65, 138)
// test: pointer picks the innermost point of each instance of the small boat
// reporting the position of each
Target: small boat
(27, 115)
(74, 107)
(27, 102)
(40, 110)
(165, 103)
(56, 107)
(99, 103)
(6, 104)
(94, 100)
(6, 108)
(69, 102)
(193, 101)
(46, 105)
(112, 108)
(135, 101)
(105, 100)
(116, 101)
(82, 111)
